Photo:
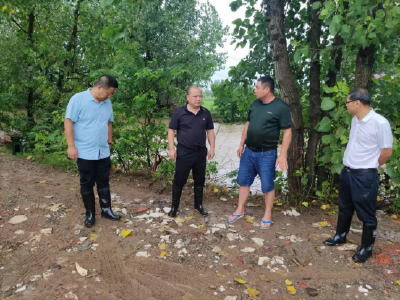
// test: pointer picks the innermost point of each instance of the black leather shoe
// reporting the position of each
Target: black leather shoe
(198, 201)
(105, 204)
(342, 228)
(367, 244)
(89, 203)
(176, 198)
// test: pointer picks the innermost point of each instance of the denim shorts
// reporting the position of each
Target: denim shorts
(261, 163)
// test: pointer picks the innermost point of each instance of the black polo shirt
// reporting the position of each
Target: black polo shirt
(191, 128)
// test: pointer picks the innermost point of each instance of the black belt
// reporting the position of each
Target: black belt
(261, 149)
(350, 170)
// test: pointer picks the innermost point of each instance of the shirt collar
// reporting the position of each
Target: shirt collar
(199, 112)
(368, 116)
(92, 99)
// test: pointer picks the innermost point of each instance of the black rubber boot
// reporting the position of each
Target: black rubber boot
(367, 243)
(89, 202)
(105, 204)
(198, 201)
(342, 229)
(176, 199)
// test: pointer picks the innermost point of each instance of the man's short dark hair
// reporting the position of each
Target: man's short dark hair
(267, 81)
(362, 95)
(107, 81)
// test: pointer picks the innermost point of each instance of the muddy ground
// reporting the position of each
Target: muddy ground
(188, 258)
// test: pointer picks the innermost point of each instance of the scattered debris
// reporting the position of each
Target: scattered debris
(81, 271)
(18, 219)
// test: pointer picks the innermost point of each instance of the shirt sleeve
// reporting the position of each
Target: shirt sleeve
(210, 122)
(285, 120)
(249, 114)
(111, 119)
(174, 123)
(73, 109)
(385, 137)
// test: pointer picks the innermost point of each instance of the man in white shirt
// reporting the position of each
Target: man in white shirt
(370, 145)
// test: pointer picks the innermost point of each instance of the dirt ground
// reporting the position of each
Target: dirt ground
(188, 258)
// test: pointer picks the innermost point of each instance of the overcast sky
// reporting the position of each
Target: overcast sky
(227, 17)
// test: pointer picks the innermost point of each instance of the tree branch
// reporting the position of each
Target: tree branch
(16, 23)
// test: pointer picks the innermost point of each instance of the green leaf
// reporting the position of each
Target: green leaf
(106, 2)
(324, 14)
(344, 139)
(345, 31)
(334, 28)
(324, 125)
(337, 168)
(316, 5)
(327, 104)
(328, 90)
(326, 139)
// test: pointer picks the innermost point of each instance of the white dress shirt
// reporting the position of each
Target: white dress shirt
(367, 137)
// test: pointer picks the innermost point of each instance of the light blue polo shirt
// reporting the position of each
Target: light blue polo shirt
(90, 125)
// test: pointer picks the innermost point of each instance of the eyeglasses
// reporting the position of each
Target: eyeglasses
(347, 102)
(108, 94)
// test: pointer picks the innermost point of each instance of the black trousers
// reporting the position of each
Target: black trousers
(358, 191)
(94, 171)
(190, 159)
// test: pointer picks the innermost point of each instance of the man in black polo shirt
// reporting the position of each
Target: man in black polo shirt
(268, 115)
(192, 123)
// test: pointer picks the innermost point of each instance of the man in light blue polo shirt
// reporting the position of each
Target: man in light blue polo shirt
(88, 130)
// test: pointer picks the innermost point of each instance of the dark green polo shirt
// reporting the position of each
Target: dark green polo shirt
(266, 121)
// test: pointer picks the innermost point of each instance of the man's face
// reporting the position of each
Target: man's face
(260, 90)
(352, 105)
(106, 93)
(195, 97)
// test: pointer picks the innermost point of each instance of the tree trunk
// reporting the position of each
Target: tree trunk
(315, 95)
(71, 47)
(30, 101)
(287, 87)
(364, 64)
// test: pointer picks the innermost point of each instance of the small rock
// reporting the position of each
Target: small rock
(217, 249)
(347, 247)
(248, 250)
(47, 274)
(262, 260)
(19, 232)
(221, 226)
(230, 298)
(82, 271)
(5, 288)
(312, 292)
(142, 254)
(17, 220)
(258, 241)
(137, 200)
(71, 295)
(124, 211)
(35, 278)
(223, 199)
(167, 209)
(232, 236)
(46, 231)
(21, 289)
(142, 209)
(62, 245)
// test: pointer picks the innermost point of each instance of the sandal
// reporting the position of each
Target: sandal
(265, 224)
(237, 216)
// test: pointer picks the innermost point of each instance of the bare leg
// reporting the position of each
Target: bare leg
(243, 194)
(269, 203)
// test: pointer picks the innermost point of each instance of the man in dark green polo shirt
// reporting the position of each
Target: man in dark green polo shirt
(268, 115)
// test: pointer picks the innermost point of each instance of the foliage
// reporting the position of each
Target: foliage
(232, 101)
(54, 49)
